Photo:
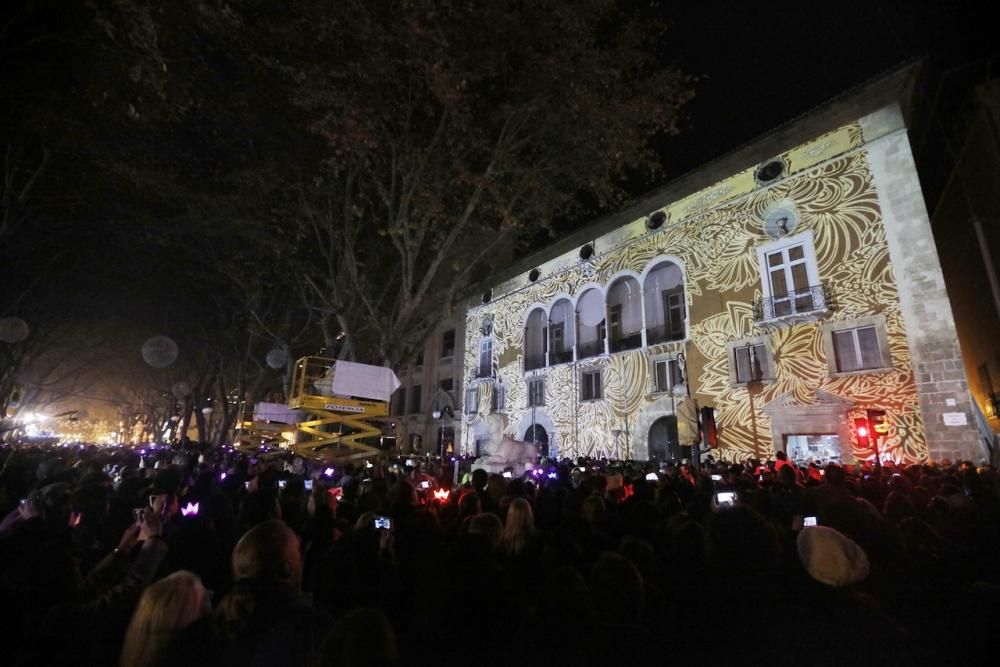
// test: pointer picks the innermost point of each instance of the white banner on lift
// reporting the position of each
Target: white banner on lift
(374, 382)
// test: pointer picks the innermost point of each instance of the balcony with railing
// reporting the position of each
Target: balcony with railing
(813, 300)
(629, 341)
(663, 334)
(590, 349)
(560, 357)
(533, 361)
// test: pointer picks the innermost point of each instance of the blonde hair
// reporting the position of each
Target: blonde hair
(166, 607)
(519, 527)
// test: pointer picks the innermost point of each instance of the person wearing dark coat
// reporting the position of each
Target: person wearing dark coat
(263, 621)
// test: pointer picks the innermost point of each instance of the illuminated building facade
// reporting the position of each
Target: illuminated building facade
(793, 286)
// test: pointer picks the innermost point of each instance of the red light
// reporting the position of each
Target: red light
(862, 432)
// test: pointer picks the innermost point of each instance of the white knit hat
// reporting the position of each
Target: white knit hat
(830, 557)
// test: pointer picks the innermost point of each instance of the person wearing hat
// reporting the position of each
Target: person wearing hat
(832, 604)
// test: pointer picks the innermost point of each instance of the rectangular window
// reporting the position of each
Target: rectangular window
(486, 357)
(615, 319)
(857, 349)
(415, 399)
(558, 331)
(788, 277)
(667, 374)
(399, 402)
(420, 358)
(471, 401)
(448, 343)
(590, 385)
(499, 400)
(536, 393)
(673, 313)
(751, 363)
(447, 384)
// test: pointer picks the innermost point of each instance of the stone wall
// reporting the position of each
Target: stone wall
(942, 385)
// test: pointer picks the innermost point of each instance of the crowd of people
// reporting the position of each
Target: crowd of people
(196, 555)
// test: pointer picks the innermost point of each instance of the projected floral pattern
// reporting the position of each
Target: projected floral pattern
(837, 201)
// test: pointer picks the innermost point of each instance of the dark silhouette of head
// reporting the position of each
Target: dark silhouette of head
(268, 553)
(617, 590)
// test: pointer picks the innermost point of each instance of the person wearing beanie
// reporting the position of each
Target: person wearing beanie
(830, 599)
(830, 557)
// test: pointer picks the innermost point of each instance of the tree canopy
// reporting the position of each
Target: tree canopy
(347, 167)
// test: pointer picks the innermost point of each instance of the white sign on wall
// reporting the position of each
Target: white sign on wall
(954, 419)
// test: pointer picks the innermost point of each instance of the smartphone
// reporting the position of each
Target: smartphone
(508, 474)
(652, 477)
(246, 485)
(425, 484)
(716, 478)
(138, 513)
(309, 484)
(725, 498)
(808, 521)
(383, 523)
(282, 483)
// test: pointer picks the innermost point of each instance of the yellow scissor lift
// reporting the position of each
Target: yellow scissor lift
(339, 421)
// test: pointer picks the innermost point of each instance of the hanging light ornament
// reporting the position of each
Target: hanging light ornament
(13, 330)
(276, 358)
(159, 351)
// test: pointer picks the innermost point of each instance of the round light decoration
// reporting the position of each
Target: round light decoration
(656, 220)
(770, 171)
(159, 351)
(276, 358)
(780, 219)
(180, 390)
(13, 330)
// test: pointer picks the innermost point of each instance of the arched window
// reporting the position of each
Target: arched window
(562, 332)
(591, 327)
(666, 309)
(624, 315)
(534, 340)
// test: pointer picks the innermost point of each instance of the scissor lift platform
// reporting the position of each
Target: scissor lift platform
(338, 399)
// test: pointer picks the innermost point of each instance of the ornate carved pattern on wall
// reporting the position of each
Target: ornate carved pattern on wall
(837, 201)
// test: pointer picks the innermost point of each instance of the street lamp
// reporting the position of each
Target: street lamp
(440, 416)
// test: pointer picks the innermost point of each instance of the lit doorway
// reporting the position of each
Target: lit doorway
(539, 436)
(663, 442)
(805, 448)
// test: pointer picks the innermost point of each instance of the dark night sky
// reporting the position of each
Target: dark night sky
(766, 63)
